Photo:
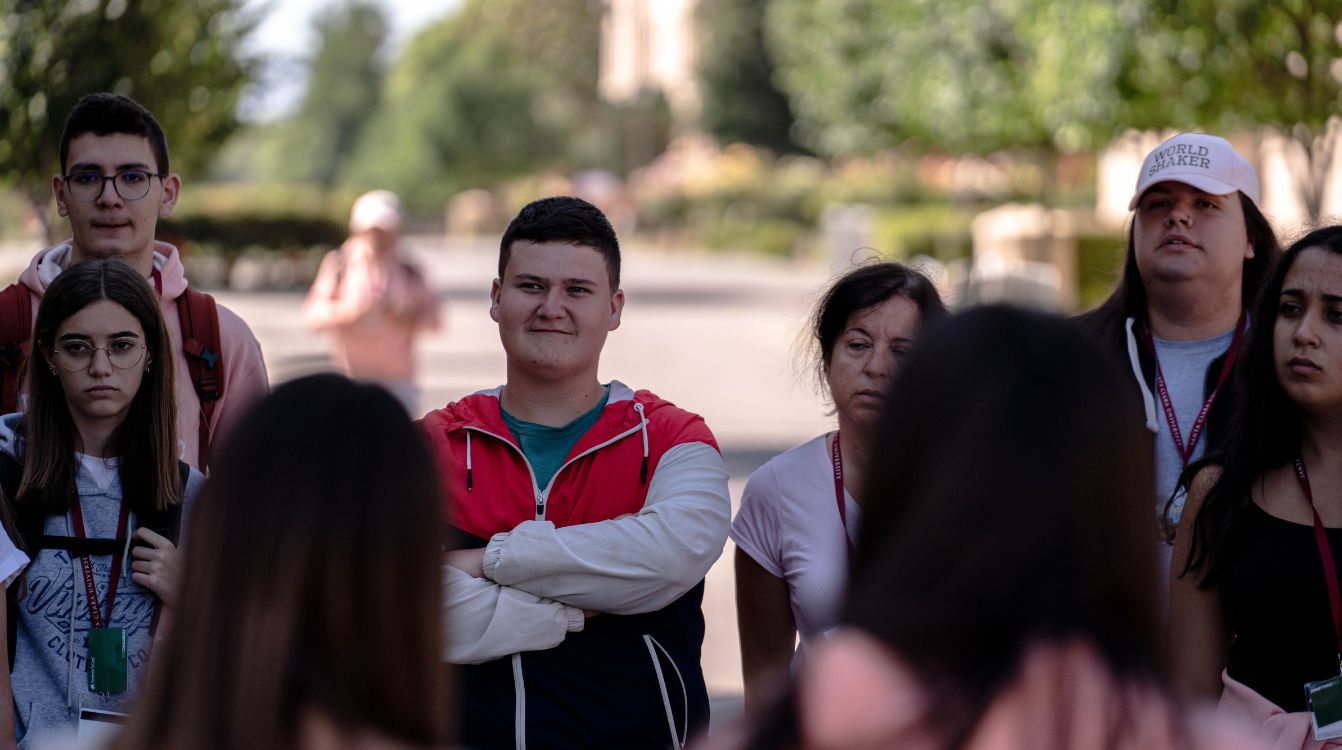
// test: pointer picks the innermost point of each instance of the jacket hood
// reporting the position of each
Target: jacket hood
(49, 263)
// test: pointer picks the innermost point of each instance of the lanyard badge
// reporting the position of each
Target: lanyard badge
(1324, 697)
(106, 657)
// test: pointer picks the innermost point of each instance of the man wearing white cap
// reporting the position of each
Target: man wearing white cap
(373, 301)
(1198, 247)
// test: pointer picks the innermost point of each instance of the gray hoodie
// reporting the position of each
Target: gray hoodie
(50, 687)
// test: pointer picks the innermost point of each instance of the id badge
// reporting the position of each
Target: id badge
(98, 728)
(107, 660)
(1324, 699)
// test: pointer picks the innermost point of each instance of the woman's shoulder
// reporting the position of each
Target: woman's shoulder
(805, 462)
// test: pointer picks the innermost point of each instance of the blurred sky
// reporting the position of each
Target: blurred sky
(285, 38)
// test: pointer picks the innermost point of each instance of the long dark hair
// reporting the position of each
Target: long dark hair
(1128, 299)
(146, 441)
(1008, 508)
(311, 582)
(863, 287)
(1267, 425)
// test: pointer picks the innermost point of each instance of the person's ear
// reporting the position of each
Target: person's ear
(62, 198)
(616, 308)
(172, 189)
(495, 290)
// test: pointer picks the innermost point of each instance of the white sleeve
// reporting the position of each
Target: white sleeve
(12, 560)
(485, 621)
(756, 526)
(632, 564)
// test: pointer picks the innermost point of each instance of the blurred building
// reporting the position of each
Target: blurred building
(649, 45)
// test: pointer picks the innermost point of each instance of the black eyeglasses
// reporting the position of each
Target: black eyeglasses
(130, 184)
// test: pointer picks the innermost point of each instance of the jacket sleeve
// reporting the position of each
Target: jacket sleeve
(632, 564)
(245, 379)
(484, 621)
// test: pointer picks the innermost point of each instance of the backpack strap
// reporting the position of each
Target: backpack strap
(199, 319)
(16, 333)
(170, 525)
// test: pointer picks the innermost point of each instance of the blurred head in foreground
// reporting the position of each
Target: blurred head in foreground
(1007, 519)
(311, 592)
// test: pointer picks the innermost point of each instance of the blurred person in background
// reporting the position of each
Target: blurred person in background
(373, 300)
(92, 476)
(800, 511)
(1255, 612)
(1000, 595)
(1198, 250)
(310, 615)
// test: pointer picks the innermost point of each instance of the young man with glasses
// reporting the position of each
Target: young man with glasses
(113, 188)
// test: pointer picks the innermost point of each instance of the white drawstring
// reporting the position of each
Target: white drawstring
(468, 460)
(643, 427)
(1148, 400)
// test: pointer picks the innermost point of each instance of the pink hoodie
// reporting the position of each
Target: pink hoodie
(244, 369)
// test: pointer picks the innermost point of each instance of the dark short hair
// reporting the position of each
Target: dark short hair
(864, 287)
(108, 114)
(564, 219)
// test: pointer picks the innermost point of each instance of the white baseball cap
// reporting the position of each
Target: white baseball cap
(379, 209)
(1206, 162)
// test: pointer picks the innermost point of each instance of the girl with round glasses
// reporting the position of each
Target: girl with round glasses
(92, 479)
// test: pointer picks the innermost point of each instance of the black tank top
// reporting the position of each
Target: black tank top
(1275, 599)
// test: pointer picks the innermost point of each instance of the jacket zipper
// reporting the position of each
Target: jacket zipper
(542, 496)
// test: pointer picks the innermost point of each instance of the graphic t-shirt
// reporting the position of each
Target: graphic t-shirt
(546, 447)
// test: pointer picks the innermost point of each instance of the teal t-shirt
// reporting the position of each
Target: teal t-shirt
(546, 447)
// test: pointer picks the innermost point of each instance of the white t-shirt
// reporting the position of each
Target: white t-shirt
(789, 524)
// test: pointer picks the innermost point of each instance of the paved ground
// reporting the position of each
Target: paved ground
(716, 334)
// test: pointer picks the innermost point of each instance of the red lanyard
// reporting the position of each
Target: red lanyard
(1326, 555)
(838, 493)
(1186, 452)
(157, 278)
(95, 616)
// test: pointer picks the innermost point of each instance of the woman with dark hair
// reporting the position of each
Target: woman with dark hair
(1198, 250)
(800, 510)
(1000, 595)
(92, 476)
(311, 607)
(1254, 599)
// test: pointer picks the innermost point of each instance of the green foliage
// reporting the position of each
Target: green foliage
(966, 75)
(344, 90)
(1099, 264)
(231, 235)
(179, 58)
(741, 103)
(489, 93)
(1233, 65)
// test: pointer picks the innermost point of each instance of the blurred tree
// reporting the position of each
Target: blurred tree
(344, 90)
(736, 72)
(1234, 65)
(495, 90)
(179, 58)
(965, 75)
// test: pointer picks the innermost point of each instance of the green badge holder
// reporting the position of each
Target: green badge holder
(107, 660)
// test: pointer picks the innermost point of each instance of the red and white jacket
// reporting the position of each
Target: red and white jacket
(631, 521)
